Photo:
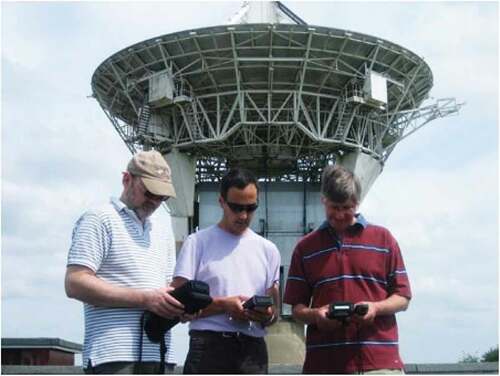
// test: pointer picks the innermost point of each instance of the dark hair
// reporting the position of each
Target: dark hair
(239, 178)
(339, 184)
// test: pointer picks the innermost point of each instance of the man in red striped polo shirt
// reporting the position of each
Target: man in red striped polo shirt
(348, 259)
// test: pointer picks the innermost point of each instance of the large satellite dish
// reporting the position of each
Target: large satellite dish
(280, 99)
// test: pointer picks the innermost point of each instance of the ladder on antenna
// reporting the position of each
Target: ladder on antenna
(194, 121)
(144, 116)
(342, 123)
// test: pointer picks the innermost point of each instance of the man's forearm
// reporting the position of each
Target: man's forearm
(93, 290)
(393, 304)
(304, 314)
(218, 305)
(275, 293)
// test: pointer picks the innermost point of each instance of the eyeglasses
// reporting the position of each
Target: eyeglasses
(349, 206)
(339, 208)
(148, 194)
(154, 197)
(238, 208)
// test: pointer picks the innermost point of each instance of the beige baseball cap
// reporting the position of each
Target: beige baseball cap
(154, 172)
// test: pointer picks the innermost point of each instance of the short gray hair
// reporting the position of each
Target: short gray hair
(340, 185)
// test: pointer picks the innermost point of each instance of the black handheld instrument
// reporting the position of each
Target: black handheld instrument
(258, 301)
(343, 310)
(195, 295)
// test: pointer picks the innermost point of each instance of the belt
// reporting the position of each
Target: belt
(211, 333)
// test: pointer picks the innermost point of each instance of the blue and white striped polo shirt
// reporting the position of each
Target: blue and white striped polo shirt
(113, 242)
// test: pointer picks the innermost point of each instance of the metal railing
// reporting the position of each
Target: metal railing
(411, 369)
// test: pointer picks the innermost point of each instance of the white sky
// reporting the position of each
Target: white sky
(438, 193)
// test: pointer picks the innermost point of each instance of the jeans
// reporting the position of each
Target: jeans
(225, 353)
(128, 368)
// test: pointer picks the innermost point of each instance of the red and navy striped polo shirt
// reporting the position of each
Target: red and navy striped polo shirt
(364, 265)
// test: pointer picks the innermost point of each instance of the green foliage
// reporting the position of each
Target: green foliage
(469, 358)
(491, 355)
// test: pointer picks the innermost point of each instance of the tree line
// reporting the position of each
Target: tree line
(489, 356)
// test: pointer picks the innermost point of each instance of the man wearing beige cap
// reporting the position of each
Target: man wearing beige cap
(120, 263)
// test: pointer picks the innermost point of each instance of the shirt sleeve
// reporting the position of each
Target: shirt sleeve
(89, 242)
(274, 267)
(398, 281)
(297, 289)
(187, 261)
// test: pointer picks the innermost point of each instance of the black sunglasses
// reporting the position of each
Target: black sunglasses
(238, 208)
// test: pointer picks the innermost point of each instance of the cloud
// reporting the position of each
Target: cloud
(444, 221)
(438, 192)
(461, 54)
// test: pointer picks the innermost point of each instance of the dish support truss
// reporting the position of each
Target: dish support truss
(280, 99)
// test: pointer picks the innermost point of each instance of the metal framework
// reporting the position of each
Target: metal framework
(281, 99)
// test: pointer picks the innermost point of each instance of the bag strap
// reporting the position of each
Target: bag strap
(163, 347)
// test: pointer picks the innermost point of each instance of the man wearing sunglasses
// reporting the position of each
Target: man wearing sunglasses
(120, 263)
(237, 264)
